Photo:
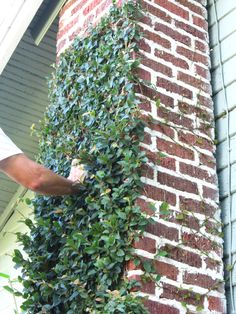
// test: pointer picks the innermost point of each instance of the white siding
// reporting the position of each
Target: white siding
(24, 96)
(226, 11)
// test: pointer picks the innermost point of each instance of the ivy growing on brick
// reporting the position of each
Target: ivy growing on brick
(78, 246)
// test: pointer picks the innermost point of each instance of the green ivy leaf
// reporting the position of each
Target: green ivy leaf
(199, 308)
(9, 289)
(162, 253)
(78, 244)
(164, 209)
(4, 276)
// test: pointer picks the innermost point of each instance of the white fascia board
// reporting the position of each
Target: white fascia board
(16, 30)
(10, 207)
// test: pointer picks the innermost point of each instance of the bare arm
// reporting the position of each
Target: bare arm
(36, 177)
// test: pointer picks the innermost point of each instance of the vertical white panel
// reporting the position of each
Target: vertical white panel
(7, 245)
(226, 11)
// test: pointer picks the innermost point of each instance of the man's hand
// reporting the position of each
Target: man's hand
(77, 172)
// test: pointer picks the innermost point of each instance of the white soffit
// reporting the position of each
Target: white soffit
(15, 17)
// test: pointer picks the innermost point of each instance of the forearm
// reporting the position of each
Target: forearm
(49, 183)
(36, 177)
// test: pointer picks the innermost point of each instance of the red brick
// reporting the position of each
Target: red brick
(183, 256)
(206, 127)
(143, 74)
(160, 127)
(165, 99)
(195, 82)
(194, 109)
(192, 55)
(195, 140)
(146, 91)
(167, 162)
(154, 95)
(103, 6)
(147, 139)
(171, 7)
(201, 46)
(191, 30)
(156, 38)
(216, 304)
(158, 308)
(194, 8)
(91, 6)
(67, 6)
(81, 3)
(156, 12)
(205, 101)
(186, 220)
(156, 66)
(210, 193)
(60, 45)
(200, 280)
(63, 31)
(154, 157)
(204, 73)
(145, 20)
(146, 244)
(213, 227)
(75, 33)
(143, 45)
(178, 62)
(169, 31)
(163, 231)
(174, 117)
(174, 149)
(207, 160)
(173, 293)
(177, 183)
(174, 88)
(213, 264)
(147, 172)
(89, 20)
(190, 222)
(131, 266)
(145, 105)
(167, 270)
(198, 242)
(200, 22)
(159, 194)
(197, 172)
(146, 286)
(161, 268)
(145, 206)
(200, 207)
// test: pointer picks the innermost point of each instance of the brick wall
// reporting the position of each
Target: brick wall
(175, 58)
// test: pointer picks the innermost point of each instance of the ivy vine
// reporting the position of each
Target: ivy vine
(78, 246)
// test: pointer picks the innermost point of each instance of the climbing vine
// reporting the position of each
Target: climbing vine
(79, 245)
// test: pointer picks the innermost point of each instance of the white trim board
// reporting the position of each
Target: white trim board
(16, 30)
(10, 207)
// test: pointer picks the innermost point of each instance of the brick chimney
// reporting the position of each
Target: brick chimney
(179, 143)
